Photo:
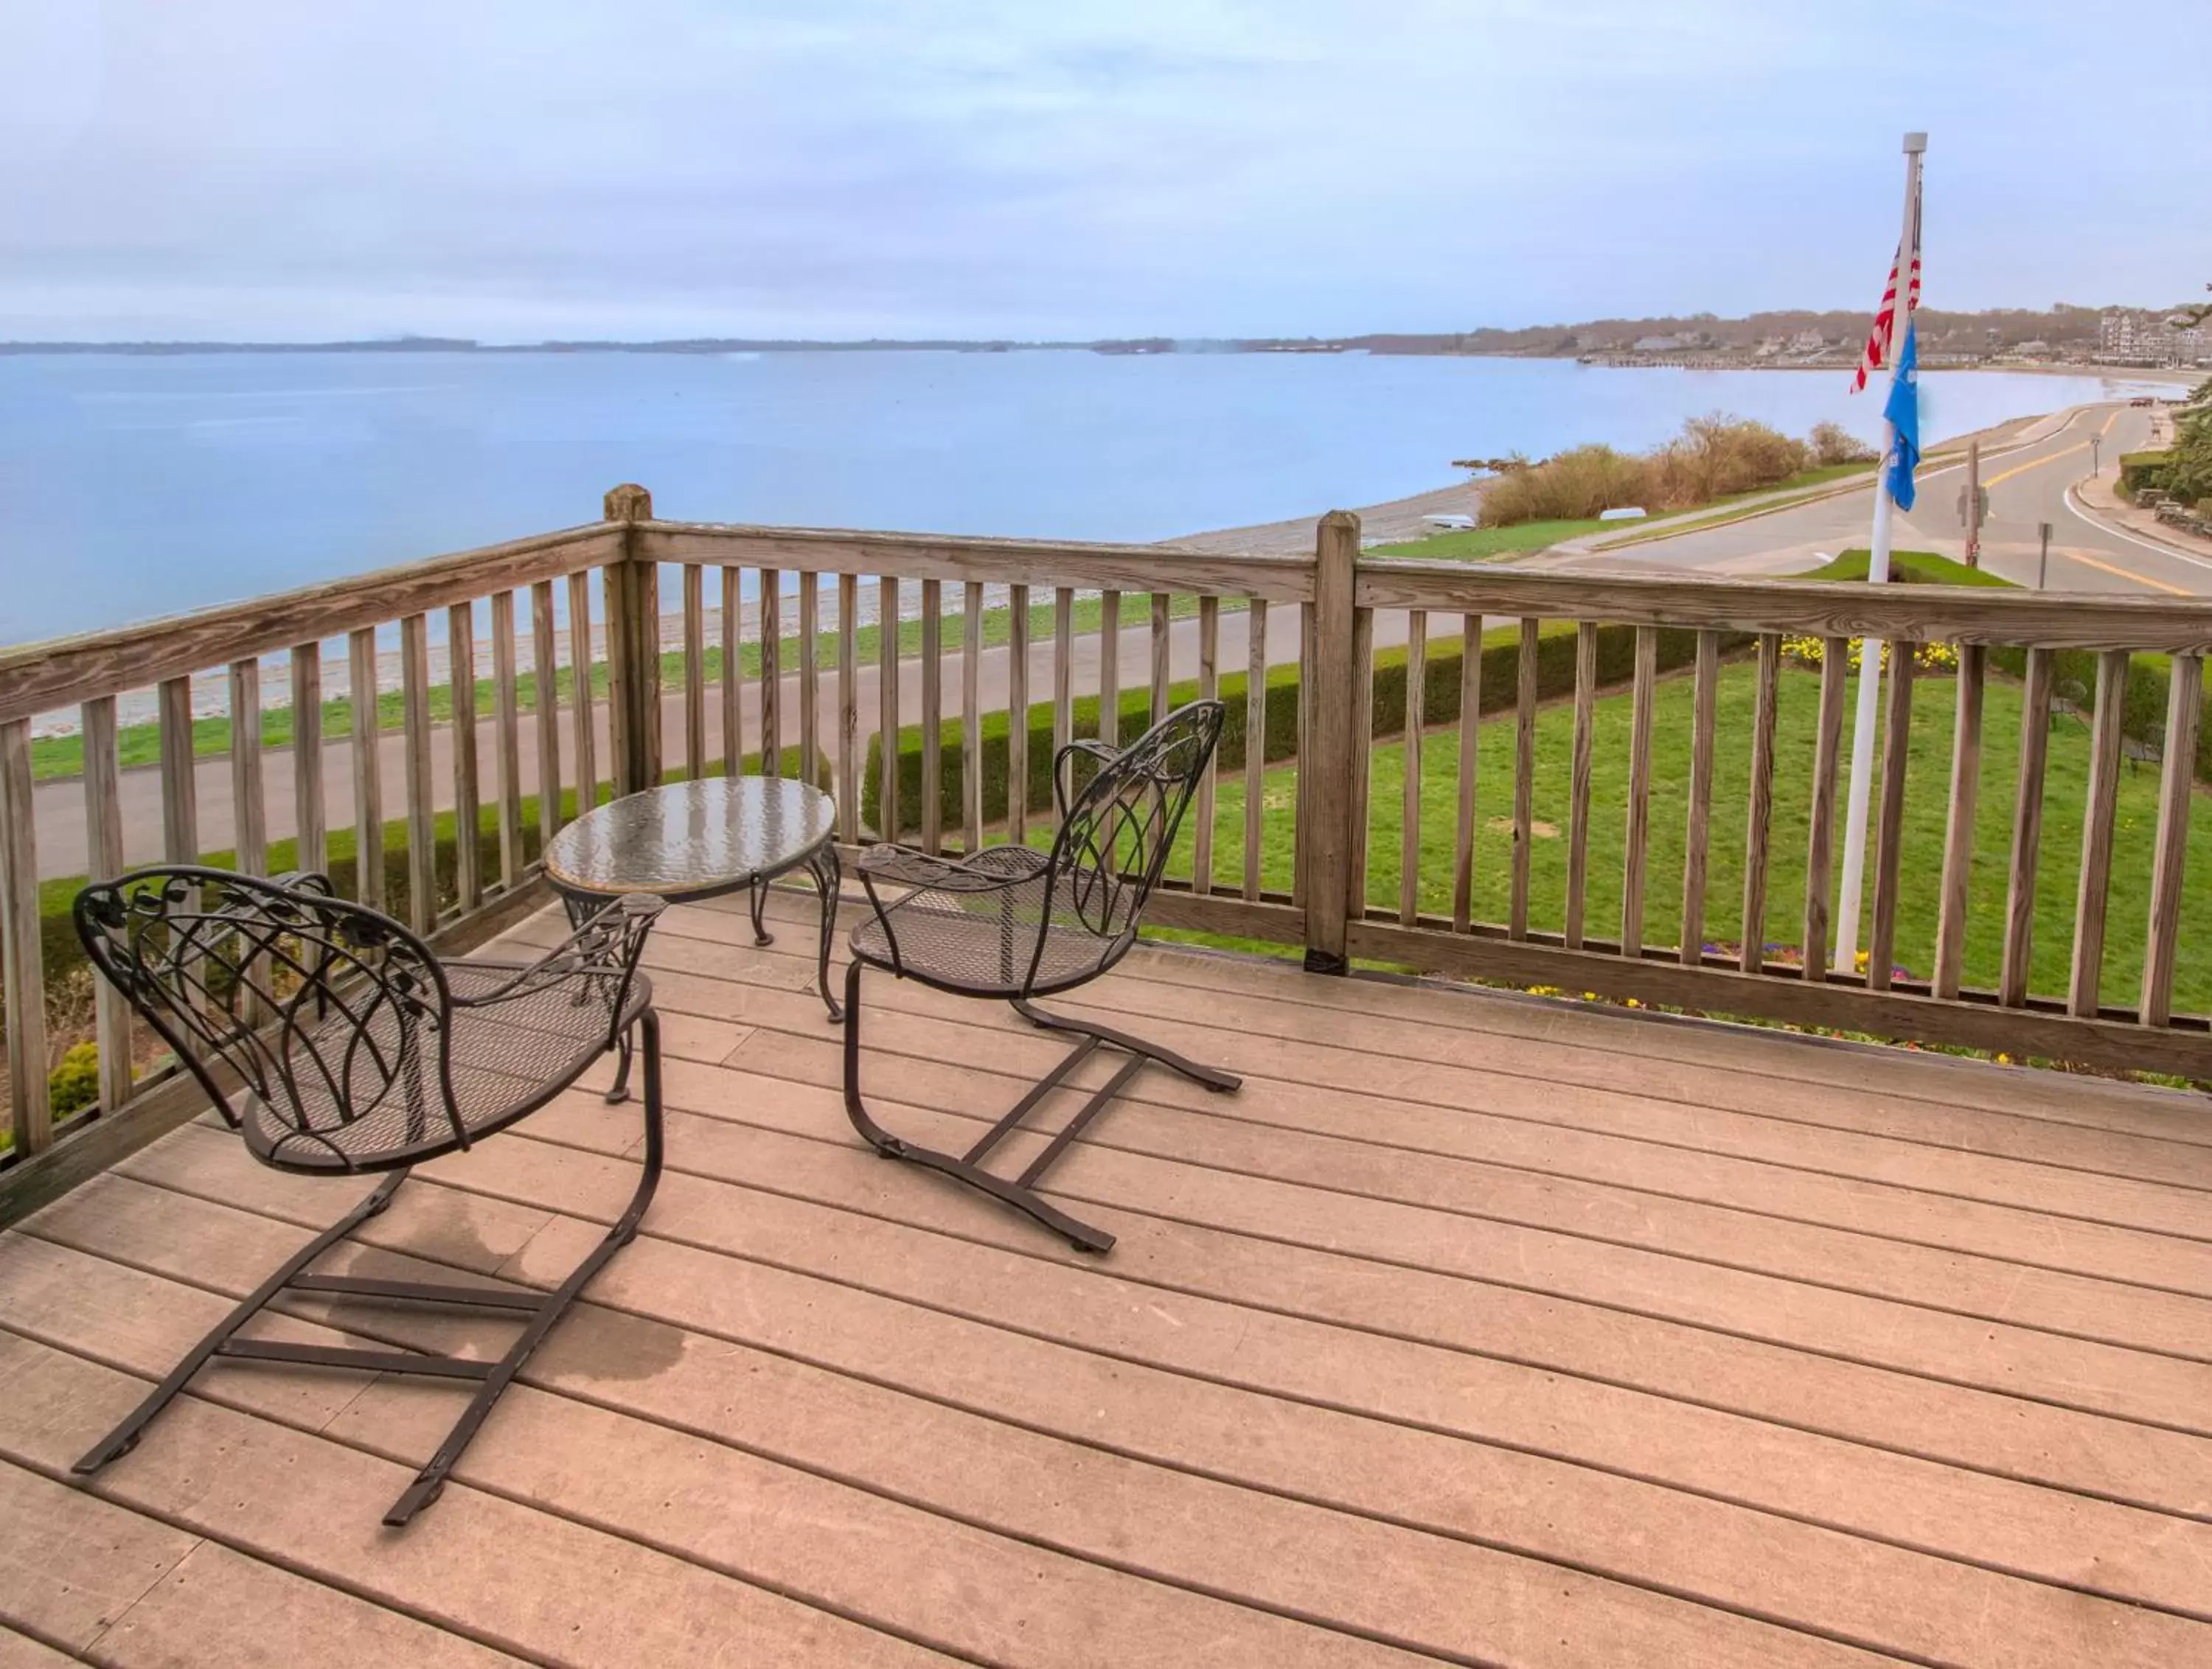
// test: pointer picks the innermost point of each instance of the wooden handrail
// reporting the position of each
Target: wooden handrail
(1926, 613)
(43, 677)
(1043, 562)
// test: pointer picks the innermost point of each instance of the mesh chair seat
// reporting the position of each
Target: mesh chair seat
(512, 1051)
(986, 941)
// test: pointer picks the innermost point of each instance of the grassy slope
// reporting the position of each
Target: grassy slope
(1927, 778)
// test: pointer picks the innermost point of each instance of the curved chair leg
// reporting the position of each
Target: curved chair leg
(761, 934)
(1211, 1077)
(124, 1438)
(1081, 1236)
(431, 1480)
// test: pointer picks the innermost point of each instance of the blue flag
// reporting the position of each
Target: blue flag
(1903, 410)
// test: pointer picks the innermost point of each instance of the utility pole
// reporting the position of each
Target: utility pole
(2096, 455)
(2043, 561)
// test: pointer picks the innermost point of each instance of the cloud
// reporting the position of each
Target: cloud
(856, 166)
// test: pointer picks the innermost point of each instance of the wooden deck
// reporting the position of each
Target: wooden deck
(1476, 1330)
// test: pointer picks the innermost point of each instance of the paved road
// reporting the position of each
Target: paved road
(2027, 485)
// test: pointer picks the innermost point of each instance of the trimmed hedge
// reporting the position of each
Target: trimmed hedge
(2140, 469)
(1501, 657)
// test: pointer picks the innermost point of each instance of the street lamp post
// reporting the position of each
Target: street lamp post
(2096, 455)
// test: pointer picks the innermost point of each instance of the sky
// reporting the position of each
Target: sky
(514, 170)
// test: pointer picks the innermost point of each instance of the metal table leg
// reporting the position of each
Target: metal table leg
(829, 876)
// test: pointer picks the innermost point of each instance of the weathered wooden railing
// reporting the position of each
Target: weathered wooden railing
(1382, 680)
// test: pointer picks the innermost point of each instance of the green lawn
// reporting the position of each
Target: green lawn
(1480, 544)
(1927, 789)
(141, 744)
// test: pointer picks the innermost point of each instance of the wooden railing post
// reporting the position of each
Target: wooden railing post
(633, 594)
(1326, 851)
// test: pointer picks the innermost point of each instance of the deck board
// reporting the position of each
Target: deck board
(1474, 1330)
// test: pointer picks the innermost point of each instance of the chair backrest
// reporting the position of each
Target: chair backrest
(326, 1011)
(1116, 835)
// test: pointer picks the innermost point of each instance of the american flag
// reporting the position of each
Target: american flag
(1876, 352)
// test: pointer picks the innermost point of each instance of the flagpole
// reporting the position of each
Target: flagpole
(1863, 724)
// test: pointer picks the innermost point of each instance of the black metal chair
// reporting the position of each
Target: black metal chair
(333, 1039)
(1014, 924)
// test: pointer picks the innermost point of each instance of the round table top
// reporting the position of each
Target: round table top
(692, 839)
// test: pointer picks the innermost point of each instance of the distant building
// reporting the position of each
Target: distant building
(1808, 342)
(1660, 344)
(2127, 336)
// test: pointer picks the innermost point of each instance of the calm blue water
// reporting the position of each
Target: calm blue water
(140, 486)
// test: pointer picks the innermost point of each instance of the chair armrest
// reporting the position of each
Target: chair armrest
(903, 867)
(609, 944)
(1062, 795)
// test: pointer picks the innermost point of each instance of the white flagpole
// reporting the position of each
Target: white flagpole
(1863, 724)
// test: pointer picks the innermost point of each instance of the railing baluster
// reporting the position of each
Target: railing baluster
(1301, 812)
(1255, 741)
(1409, 811)
(311, 840)
(1835, 669)
(506, 727)
(1161, 648)
(1958, 820)
(809, 679)
(2175, 799)
(1578, 780)
(1697, 833)
(103, 823)
(367, 767)
(422, 829)
(2097, 825)
(733, 677)
(770, 617)
(1889, 826)
(1209, 689)
(180, 788)
(2027, 828)
(971, 718)
(848, 710)
(1063, 673)
(1524, 779)
(543, 655)
(695, 670)
(22, 968)
(1759, 822)
(933, 715)
(1018, 714)
(1110, 668)
(249, 805)
(461, 680)
(1362, 775)
(1470, 735)
(583, 728)
(1639, 792)
(887, 823)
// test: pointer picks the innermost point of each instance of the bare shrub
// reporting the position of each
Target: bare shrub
(1833, 444)
(1714, 456)
(1572, 486)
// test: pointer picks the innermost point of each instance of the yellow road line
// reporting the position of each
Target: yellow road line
(2127, 573)
(2109, 420)
(2034, 464)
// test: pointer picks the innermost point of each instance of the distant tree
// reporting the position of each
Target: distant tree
(2187, 319)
